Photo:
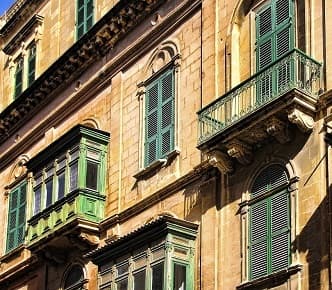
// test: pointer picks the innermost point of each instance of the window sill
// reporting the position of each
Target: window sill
(15, 252)
(272, 279)
(156, 165)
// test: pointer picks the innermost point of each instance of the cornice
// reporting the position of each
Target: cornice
(19, 11)
(108, 31)
(23, 34)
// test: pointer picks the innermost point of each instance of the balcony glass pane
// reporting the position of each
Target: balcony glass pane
(179, 277)
(73, 176)
(157, 276)
(49, 192)
(139, 280)
(91, 175)
(61, 185)
(122, 285)
(37, 200)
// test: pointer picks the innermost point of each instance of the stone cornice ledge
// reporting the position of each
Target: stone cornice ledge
(95, 44)
(23, 34)
(273, 279)
(20, 10)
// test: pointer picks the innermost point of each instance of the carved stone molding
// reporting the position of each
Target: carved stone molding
(221, 161)
(278, 129)
(241, 151)
(304, 122)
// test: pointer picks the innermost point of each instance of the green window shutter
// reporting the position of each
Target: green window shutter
(269, 242)
(16, 217)
(151, 142)
(280, 231)
(89, 14)
(167, 113)
(84, 18)
(258, 240)
(31, 64)
(19, 77)
(159, 118)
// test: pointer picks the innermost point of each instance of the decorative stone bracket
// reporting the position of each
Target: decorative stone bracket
(220, 160)
(241, 151)
(278, 130)
(304, 122)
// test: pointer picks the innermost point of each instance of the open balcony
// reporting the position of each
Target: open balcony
(260, 108)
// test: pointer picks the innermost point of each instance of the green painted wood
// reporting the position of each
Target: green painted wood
(84, 17)
(18, 77)
(31, 64)
(16, 217)
(159, 119)
(80, 146)
(269, 225)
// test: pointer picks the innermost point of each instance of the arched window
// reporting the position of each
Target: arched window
(269, 222)
(74, 279)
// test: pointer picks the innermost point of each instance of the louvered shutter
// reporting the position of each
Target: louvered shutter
(151, 123)
(270, 178)
(31, 64)
(16, 217)
(19, 77)
(159, 120)
(167, 113)
(258, 240)
(264, 47)
(283, 41)
(280, 232)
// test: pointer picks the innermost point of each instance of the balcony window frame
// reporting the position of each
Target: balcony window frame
(86, 17)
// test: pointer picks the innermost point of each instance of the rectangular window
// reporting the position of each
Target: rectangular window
(61, 185)
(16, 217)
(158, 276)
(91, 175)
(84, 17)
(31, 64)
(73, 176)
(269, 235)
(179, 277)
(139, 280)
(159, 117)
(18, 87)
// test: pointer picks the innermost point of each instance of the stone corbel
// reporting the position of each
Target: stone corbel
(278, 130)
(221, 161)
(241, 151)
(303, 121)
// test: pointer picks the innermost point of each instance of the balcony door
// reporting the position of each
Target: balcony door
(274, 39)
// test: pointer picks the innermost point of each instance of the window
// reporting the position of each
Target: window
(19, 76)
(269, 219)
(16, 217)
(75, 278)
(159, 117)
(31, 64)
(274, 38)
(144, 260)
(84, 16)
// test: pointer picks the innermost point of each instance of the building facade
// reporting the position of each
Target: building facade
(165, 144)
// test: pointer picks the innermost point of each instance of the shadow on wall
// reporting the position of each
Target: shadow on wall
(313, 243)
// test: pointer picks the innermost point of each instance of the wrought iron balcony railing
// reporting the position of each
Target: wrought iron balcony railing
(295, 70)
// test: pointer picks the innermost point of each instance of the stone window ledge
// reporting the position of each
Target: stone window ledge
(155, 166)
(272, 279)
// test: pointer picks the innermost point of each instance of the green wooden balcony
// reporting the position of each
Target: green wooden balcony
(67, 191)
(79, 209)
(295, 71)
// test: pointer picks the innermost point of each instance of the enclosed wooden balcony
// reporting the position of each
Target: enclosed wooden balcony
(67, 188)
(260, 108)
